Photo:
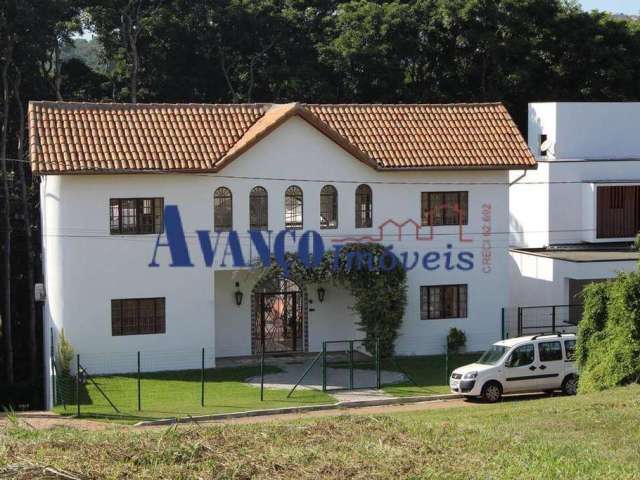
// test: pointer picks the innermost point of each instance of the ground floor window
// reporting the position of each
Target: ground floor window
(443, 301)
(137, 316)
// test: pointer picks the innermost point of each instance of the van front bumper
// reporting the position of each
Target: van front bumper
(464, 387)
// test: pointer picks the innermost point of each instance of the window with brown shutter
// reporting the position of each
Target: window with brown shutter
(364, 206)
(445, 208)
(137, 316)
(222, 209)
(136, 216)
(293, 207)
(328, 207)
(258, 209)
(618, 211)
(443, 301)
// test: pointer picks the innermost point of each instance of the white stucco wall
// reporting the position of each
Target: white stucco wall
(539, 280)
(86, 267)
(590, 142)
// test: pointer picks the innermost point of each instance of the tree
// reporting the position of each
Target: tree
(9, 41)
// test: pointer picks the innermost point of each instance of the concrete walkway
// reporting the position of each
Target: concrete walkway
(338, 381)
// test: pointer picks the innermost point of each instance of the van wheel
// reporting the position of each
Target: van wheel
(570, 385)
(491, 392)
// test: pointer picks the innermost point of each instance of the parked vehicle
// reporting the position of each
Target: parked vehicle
(544, 362)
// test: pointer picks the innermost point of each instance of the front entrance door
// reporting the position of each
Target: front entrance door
(279, 322)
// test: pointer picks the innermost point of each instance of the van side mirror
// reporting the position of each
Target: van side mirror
(510, 361)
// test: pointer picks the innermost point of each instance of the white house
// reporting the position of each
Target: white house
(429, 180)
(574, 218)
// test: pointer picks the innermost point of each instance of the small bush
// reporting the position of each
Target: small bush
(64, 354)
(594, 318)
(612, 353)
(456, 340)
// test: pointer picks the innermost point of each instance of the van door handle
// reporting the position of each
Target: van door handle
(542, 367)
(532, 367)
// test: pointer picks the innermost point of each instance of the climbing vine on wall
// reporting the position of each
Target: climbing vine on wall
(373, 275)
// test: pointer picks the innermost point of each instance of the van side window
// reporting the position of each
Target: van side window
(570, 350)
(550, 351)
(521, 356)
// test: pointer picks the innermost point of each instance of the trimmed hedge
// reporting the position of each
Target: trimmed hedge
(608, 347)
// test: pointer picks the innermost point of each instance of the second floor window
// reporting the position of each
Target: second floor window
(135, 215)
(258, 209)
(293, 207)
(443, 301)
(618, 211)
(364, 207)
(222, 209)
(328, 207)
(445, 208)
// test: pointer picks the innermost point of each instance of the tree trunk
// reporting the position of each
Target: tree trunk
(134, 67)
(6, 219)
(57, 71)
(26, 216)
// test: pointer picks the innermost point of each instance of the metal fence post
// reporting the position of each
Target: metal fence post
(446, 361)
(503, 329)
(202, 381)
(378, 383)
(553, 318)
(519, 321)
(78, 384)
(262, 375)
(351, 365)
(324, 366)
(139, 381)
(53, 374)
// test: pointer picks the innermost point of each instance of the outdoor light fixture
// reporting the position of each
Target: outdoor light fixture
(238, 295)
(321, 292)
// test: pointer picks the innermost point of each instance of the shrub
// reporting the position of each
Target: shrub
(612, 356)
(456, 340)
(594, 317)
(64, 354)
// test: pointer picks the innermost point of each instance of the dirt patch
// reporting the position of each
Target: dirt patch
(47, 420)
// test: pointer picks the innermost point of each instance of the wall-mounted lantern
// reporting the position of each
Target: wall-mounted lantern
(321, 292)
(238, 294)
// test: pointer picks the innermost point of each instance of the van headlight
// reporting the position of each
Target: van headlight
(470, 375)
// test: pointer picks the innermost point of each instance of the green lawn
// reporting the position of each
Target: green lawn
(430, 373)
(178, 394)
(594, 436)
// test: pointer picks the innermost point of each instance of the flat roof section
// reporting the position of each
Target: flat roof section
(586, 252)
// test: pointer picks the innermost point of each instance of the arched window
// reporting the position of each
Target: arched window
(328, 207)
(258, 209)
(222, 209)
(364, 207)
(293, 207)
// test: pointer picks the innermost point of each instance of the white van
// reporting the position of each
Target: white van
(544, 362)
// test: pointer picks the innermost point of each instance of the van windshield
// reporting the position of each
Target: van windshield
(493, 355)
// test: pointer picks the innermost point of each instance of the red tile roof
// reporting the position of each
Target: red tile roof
(81, 137)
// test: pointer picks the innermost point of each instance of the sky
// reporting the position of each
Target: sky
(631, 7)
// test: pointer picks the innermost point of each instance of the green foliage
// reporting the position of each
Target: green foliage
(64, 354)
(374, 277)
(636, 242)
(612, 354)
(456, 340)
(594, 318)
